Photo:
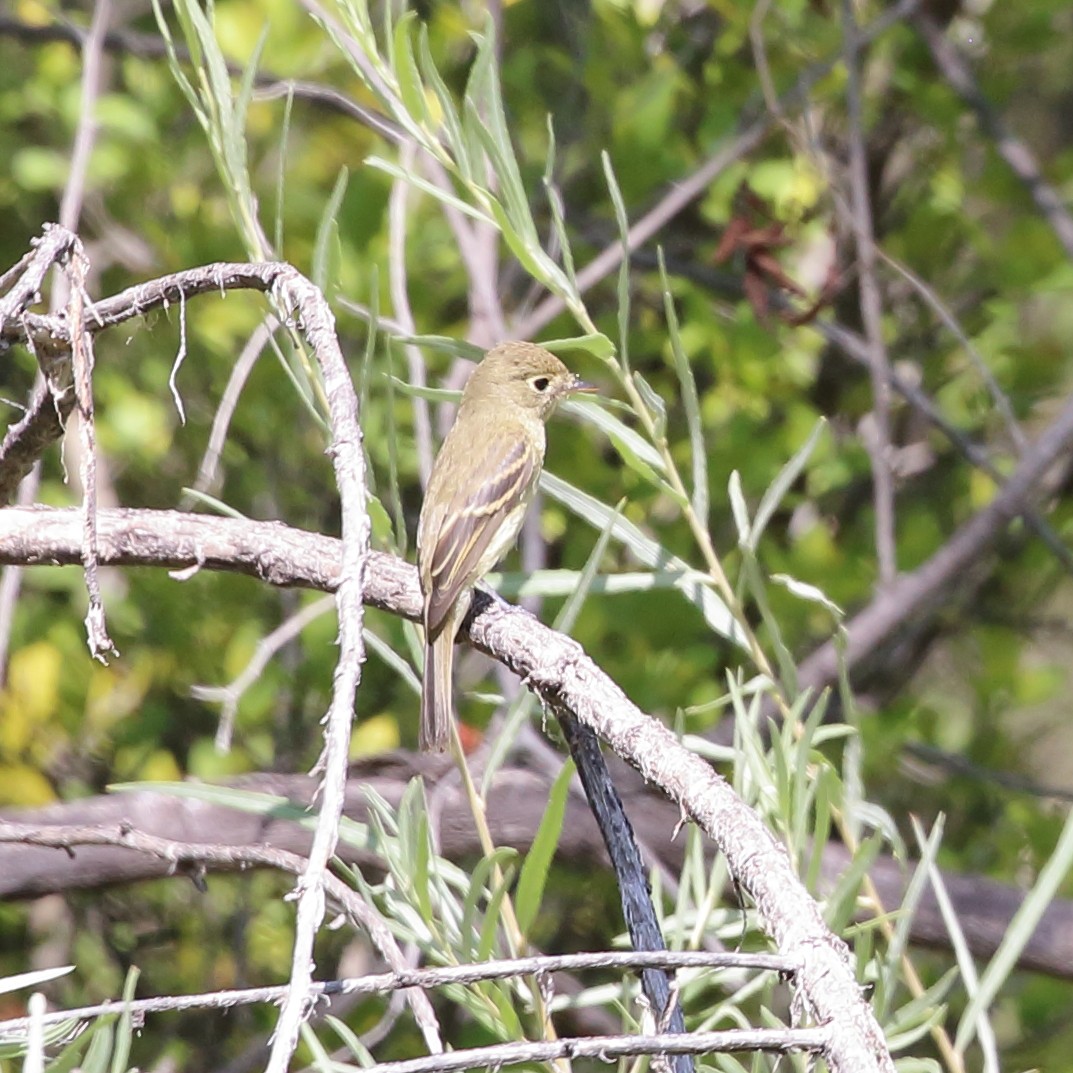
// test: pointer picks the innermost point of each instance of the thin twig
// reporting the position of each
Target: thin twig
(86, 134)
(916, 594)
(878, 438)
(100, 644)
(1012, 149)
(942, 311)
(194, 855)
(229, 695)
(221, 421)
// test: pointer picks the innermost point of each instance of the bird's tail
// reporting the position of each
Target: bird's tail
(436, 694)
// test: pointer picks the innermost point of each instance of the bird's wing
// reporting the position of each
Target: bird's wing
(456, 537)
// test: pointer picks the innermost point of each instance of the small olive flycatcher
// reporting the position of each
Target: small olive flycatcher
(482, 481)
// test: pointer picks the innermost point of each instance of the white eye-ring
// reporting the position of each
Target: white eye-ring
(540, 383)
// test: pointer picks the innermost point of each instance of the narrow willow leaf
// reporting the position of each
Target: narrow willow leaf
(1020, 930)
(484, 98)
(782, 483)
(393, 457)
(432, 394)
(591, 413)
(218, 506)
(411, 90)
(350, 1040)
(474, 917)
(429, 188)
(452, 124)
(100, 1049)
(125, 1025)
(245, 93)
(284, 157)
(327, 230)
(649, 552)
(32, 979)
(889, 978)
(557, 583)
(530, 255)
(434, 191)
(177, 69)
(738, 507)
(651, 398)
(690, 400)
(534, 873)
(399, 665)
(841, 903)
(320, 1061)
(754, 580)
(595, 343)
(623, 224)
(458, 347)
(422, 858)
(558, 212)
(803, 591)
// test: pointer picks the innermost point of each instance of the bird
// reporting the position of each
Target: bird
(483, 479)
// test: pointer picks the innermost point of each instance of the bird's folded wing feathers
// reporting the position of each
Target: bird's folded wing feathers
(467, 526)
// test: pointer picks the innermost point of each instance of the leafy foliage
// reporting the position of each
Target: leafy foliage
(740, 445)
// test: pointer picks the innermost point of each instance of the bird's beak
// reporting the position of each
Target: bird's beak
(582, 387)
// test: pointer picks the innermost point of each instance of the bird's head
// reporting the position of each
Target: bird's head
(522, 375)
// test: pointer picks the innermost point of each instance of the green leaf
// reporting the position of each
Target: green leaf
(480, 885)
(694, 586)
(125, 1025)
(493, 916)
(595, 343)
(781, 485)
(738, 507)
(623, 224)
(404, 65)
(452, 124)
(690, 401)
(327, 230)
(534, 873)
(419, 182)
(841, 903)
(626, 440)
(652, 400)
(1020, 931)
(32, 979)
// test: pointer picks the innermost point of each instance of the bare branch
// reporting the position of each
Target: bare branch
(228, 696)
(221, 421)
(86, 135)
(515, 801)
(917, 594)
(557, 668)
(878, 438)
(1015, 152)
(358, 912)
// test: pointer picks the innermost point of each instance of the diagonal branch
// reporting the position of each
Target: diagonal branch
(1012, 149)
(559, 671)
(919, 593)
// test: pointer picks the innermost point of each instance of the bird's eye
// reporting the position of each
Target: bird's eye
(540, 383)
